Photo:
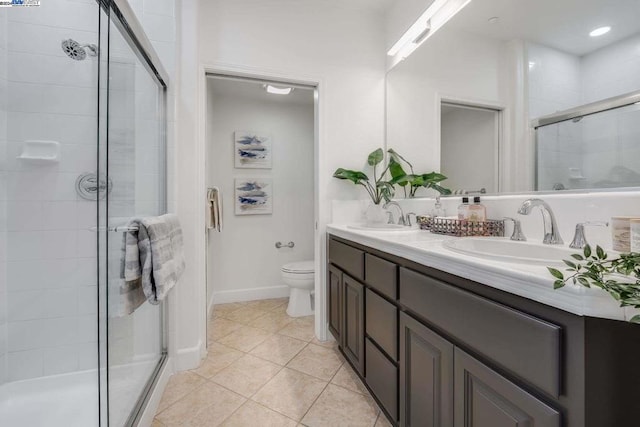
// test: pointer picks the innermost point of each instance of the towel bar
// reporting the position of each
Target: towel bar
(119, 229)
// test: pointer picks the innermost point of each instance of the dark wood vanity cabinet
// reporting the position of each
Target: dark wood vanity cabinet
(426, 376)
(353, 324)
(439, 350)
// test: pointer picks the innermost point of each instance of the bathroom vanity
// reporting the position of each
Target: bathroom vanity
(444, 340)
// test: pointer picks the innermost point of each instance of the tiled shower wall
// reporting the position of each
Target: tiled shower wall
(3, 196)
(611, 141)
(51, 256)
(600, 147)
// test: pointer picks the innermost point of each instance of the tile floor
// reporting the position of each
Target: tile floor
(265, 369)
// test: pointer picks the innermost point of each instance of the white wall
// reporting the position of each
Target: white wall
(473, 72)
(284, 38)
(469, 149)
(243, 263)
(611, 71)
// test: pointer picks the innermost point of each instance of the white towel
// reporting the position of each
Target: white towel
(153, 256)
(214, 209)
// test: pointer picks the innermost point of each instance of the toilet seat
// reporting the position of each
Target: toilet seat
(300, 267)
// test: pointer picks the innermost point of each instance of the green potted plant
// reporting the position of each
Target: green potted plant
(619, 277)
(412, 180)
(378, 189)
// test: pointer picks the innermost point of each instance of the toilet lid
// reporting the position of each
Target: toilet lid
(301, 267)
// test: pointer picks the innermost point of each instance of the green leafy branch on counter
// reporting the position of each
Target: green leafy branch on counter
(595, 269)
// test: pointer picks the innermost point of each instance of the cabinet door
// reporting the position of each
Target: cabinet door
(426, 376)
(353, 325)
(334, 292)
(484, 398)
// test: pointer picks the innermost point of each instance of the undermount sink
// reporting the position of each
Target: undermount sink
(510, 251)
(380, 227)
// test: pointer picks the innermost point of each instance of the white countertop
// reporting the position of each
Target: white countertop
(526, 280)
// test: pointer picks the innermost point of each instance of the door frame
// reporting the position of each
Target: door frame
(320, 219)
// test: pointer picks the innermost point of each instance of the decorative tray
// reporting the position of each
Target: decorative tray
(462, 227)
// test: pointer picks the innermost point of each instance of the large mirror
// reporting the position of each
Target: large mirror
(522, 96)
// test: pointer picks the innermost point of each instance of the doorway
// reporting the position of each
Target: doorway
(243, 261)
(470, 147)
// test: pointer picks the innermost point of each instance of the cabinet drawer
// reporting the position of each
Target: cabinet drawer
(382, 378)
(526, 346)
(382, 323)
(347, 258)
(381, 275)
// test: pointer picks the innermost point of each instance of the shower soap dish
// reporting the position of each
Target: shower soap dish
(40, 152)
(462, 227)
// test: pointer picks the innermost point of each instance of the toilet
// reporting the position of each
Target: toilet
(300, 277)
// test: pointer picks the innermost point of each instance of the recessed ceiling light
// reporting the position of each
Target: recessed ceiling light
(493, 20)
(278, 90)
(600, 31)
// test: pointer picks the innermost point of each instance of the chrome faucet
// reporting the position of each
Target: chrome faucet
(551, 233)
(401, 216)
(579, 239)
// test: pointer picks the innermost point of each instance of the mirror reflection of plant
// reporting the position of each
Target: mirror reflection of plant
(595, 269)
(413, 180)
(380, 189)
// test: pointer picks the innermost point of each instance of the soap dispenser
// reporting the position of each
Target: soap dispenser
(438, 210)
(463, 209)
(477, 211)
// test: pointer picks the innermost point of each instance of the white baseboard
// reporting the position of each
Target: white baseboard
(250, 294)
(156, 395)
(189, 358)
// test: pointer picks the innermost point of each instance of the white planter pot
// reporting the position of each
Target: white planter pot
(375, 214)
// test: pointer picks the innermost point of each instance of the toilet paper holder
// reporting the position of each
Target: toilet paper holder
(288, 245)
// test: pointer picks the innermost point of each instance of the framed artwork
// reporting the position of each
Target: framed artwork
(253, 196)
(252, 151)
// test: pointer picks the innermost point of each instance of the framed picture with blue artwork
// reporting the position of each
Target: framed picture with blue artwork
(253, 196)
(252, 150)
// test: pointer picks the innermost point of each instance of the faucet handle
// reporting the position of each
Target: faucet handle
(390, 218)
(408, 220)
(579, 239)
(517, 234)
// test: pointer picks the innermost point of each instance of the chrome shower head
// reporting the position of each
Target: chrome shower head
(75, 50)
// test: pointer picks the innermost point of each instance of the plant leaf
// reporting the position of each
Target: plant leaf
(578, 257)
(356, 177)
(635, 319)
(398, 157)
(570, 264)
(556, 273)
(600, 252)
(375, 157)
(587, 251)
(558, 284)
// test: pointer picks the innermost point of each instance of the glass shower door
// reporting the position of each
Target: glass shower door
(135, 168)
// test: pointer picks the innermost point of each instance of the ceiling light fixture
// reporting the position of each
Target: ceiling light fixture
(431, 20)
(277, 90)
(600, 31)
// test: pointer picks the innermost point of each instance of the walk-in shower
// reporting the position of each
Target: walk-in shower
(590, 147)
(82, 150)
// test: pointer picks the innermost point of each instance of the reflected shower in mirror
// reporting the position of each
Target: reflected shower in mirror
(537, 63)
